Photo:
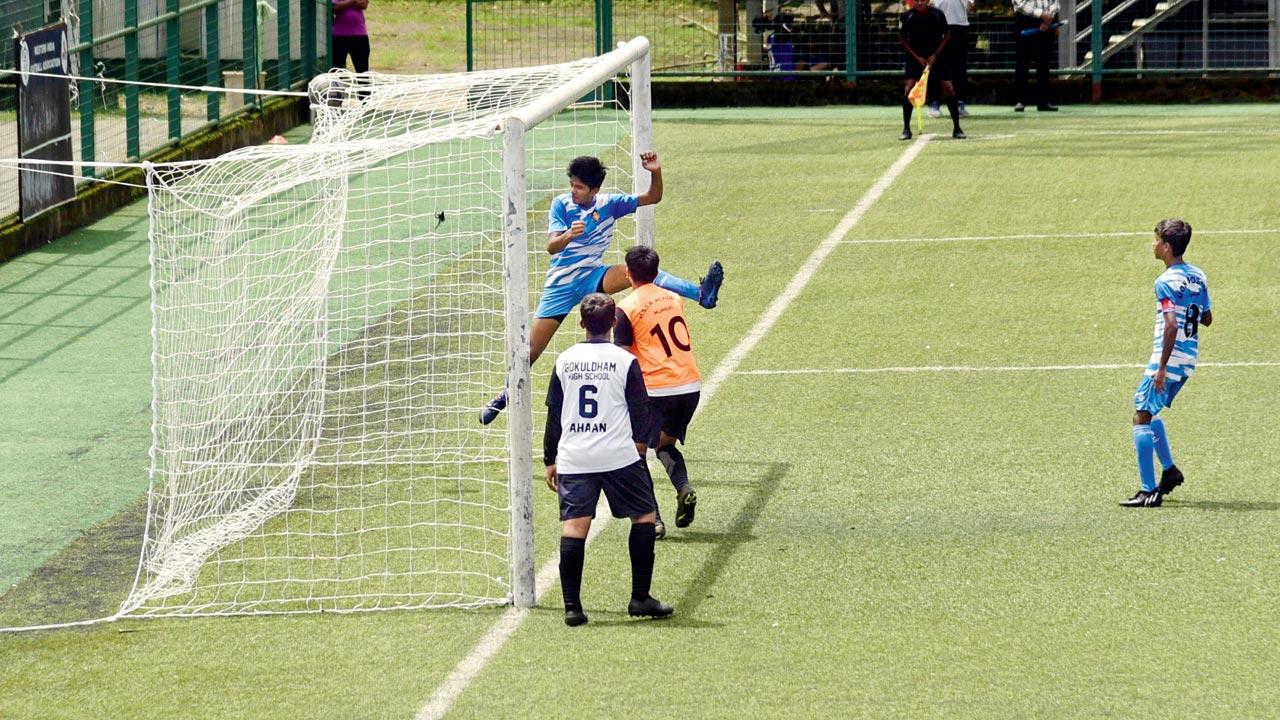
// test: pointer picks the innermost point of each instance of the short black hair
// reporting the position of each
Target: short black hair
(642, 263)
(589, 170)
(598, 313)
(1176, 232)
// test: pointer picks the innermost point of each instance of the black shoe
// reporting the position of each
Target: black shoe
(1144, 499)
(659, 530)
(906, 134)
(1019, 107)
(709, 287)
(958, 134)
(686, 506)
(489, 412)
(648, 607)
(1169, 479)
(573, 617)
(1047, 107)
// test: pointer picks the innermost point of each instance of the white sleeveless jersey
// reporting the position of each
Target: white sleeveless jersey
(595, 424)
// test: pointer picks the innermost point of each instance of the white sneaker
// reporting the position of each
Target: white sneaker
(963, 111)
(934, 110)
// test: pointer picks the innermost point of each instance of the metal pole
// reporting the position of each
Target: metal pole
(173, 70)
(133, 140)
(307, 32)
(212, 62)
(86, 86)
(1067, 35)
(1204, 34)
(851, 10)
(471, 43)
(515, 283)
(1273, 33)
(328, 33)
(249, 46)
(284, 47)
(1095, 37)
(641, 142)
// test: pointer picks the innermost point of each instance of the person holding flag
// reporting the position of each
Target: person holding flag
(924, 36)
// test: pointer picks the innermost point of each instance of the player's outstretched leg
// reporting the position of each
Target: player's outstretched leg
(544, 328)
(572, 552)
(1170, 475)
(640, 545)
(704, 292)
(709, 287)
(1144, 444)
(490, 412)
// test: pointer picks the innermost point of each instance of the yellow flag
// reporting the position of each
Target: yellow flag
(917, 96)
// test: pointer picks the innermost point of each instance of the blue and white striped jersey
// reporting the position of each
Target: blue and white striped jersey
(1183, 289)
(583, 253)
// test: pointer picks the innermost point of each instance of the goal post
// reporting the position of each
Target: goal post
(328, 319)
(634, 56)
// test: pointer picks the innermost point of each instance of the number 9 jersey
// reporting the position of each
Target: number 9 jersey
(651, 325)
(1183, 289)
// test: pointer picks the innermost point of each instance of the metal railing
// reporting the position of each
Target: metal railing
(849, 40)
(141, 61)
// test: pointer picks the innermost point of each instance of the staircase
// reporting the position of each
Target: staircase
(1118, 42)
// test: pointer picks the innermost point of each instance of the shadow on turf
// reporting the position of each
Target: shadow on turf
(726, 543)
(1224, 505)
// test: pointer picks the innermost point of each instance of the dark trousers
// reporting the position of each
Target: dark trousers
(958, 59)
(355, 46)
(1037, 48)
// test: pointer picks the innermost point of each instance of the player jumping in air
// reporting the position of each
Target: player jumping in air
(1182, 306)
(579, 232)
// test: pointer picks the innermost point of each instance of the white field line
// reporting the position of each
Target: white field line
(489, 645)
(993, 368)
(1045, 236)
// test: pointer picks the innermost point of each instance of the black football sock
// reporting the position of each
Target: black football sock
(641, 546)
(953, 107)
(572, 552)
(673, 460)
(906, 115)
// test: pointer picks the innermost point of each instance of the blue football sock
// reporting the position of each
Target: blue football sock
(1143, 441)
(1163, 451)
(679, 286)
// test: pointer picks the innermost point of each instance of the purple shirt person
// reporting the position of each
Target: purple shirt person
(350, 36)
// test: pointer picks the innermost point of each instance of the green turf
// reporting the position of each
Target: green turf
(925, 544)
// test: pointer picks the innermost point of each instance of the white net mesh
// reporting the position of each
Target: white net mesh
(328, 319)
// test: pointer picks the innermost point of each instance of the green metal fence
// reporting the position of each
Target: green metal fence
(785, 40)
(264, 44)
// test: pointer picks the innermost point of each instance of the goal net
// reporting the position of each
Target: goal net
(328, 319)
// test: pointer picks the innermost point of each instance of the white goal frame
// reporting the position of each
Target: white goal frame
(633, 55)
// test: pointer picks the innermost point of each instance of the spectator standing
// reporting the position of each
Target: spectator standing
(957, 52)
(1034, 18)
(350, 36)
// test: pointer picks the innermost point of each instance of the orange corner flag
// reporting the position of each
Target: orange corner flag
(918, 96)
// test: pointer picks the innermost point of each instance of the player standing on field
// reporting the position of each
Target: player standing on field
(1182, 306)
(580, 230)
(924, 36)
(651, 325)
(594, 441)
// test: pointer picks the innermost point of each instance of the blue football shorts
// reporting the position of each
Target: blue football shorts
(628, 489)
(1146, 399)
(560, 300)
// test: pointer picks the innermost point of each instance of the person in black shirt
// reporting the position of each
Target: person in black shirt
(924, 36)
